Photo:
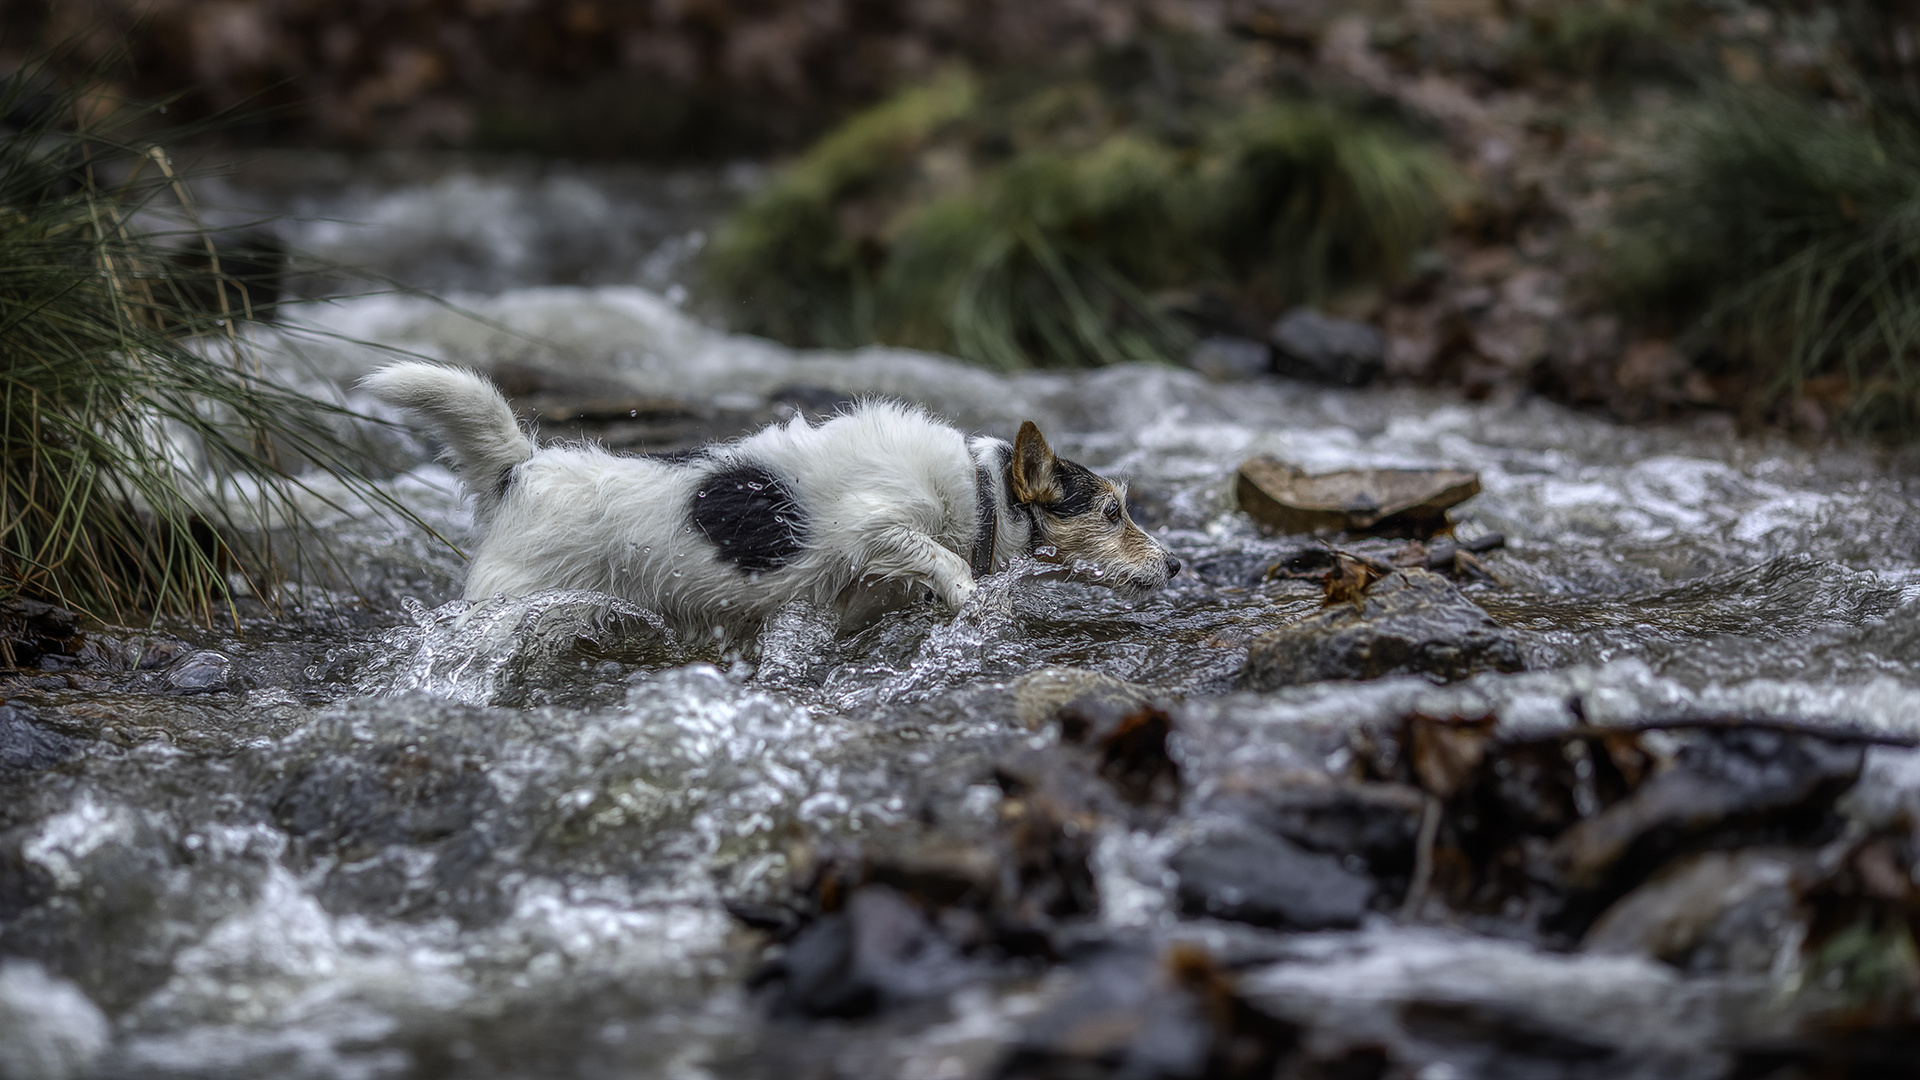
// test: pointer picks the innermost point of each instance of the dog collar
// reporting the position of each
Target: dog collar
(986, 533)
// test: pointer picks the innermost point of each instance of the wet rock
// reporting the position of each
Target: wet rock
(1131, 745)
(406, 820)
(1410, 623)
(32, 632)
(26, 746)
(1267, 881)
(1743, 777)
(1718, 911)
(49, 1030)
(879, 951)
(1112, 761)
(1319, 348)
(1283, 498)
(1040, 696)
(202, 672)
(1231, 359)
(1129, 1014)
(1378, 823)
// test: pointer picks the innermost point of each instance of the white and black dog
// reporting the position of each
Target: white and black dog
(856, 512)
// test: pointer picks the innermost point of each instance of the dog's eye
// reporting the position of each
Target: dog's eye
(1113, 513)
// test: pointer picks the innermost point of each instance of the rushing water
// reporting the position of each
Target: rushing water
(408, 835)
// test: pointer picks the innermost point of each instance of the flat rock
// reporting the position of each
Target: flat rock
(1264, 880)
(1310, 345)
(1413, 622)
(1283, 498)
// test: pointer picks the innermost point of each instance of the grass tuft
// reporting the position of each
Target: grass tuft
(1782, 241)
(1037, 220)
(147, 461)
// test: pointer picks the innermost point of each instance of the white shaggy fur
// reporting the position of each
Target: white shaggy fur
(470, 415)
(888, 492)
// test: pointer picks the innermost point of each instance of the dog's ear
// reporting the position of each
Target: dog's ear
(1035, 480)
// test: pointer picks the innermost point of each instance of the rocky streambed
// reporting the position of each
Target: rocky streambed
(1635, 798)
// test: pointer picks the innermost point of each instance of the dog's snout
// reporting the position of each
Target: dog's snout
(1173, 567)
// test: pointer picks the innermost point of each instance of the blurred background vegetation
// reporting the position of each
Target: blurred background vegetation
(1649, 206)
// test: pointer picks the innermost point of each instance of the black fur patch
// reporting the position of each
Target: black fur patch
(1079, 485)
(750, 517)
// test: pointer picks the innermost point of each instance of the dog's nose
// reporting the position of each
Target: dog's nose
(1173, 567)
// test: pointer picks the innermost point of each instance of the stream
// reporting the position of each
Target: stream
(398, 834)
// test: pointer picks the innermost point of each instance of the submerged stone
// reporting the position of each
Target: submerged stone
(1267, 881)
(202, 672)
(1410, 623)
(1041, 696)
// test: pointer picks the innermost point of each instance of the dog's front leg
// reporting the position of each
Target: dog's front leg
(909, 554)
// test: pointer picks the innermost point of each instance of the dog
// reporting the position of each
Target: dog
(858, 512)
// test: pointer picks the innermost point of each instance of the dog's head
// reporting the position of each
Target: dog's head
(1081, 520)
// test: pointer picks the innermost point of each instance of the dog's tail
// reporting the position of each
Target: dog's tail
(483, 441)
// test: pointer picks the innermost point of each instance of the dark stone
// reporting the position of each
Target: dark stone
(750, 516)
(1267, 881)
(376, 811)
(1742, 777)
(32, 632)
(1319, 348)
(1410, 623)
(1380, 823)
(1231, 359)
(26, 746)
(1129, 1014)
(202, 672)
(877, 952)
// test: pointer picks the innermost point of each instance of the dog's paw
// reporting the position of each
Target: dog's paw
(957, 593)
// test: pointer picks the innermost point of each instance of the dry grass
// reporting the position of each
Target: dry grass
(147, 462)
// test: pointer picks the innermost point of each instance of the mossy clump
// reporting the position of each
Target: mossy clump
(1780, 239)
(146, 460)
(1045, 220)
